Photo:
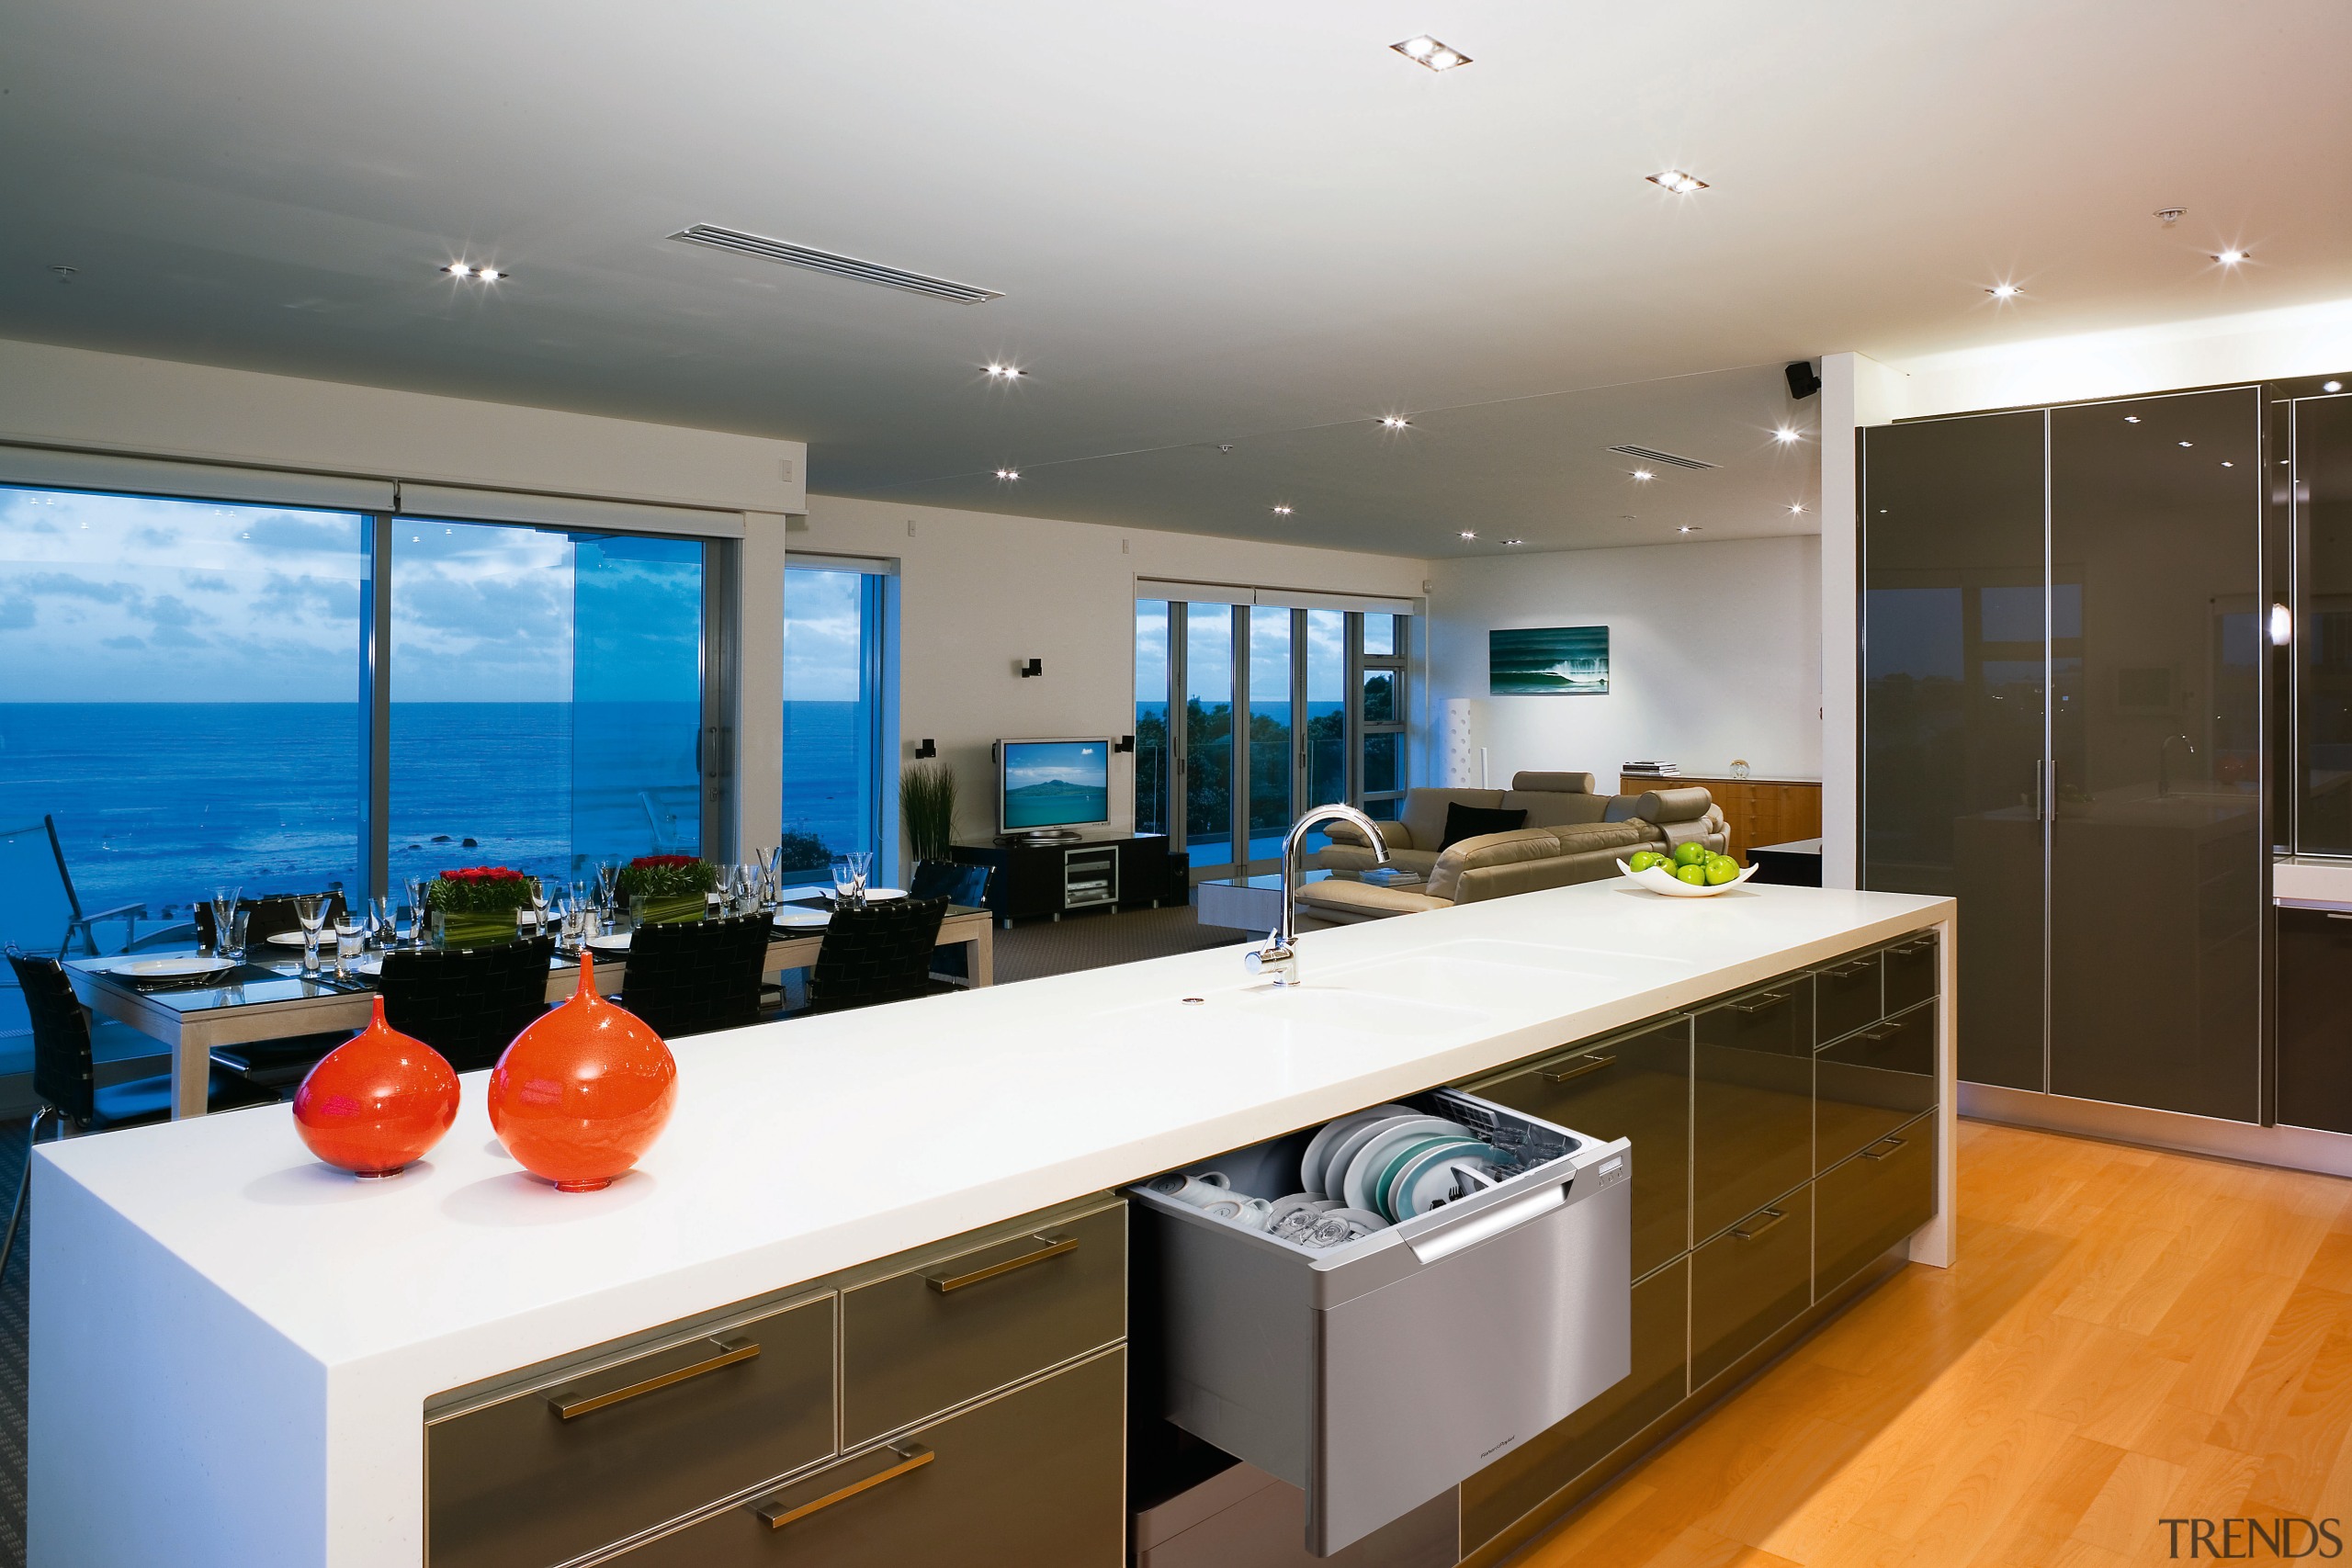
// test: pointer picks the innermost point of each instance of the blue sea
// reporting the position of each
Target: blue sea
(156, 803)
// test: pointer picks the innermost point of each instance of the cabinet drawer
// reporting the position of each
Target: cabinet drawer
(1505, 1490)
(1752, 1102)
(954, 1326)
(1747, 1282)
(2314, 1020)
(649, 1438)
(1873, 1201)
(1636, 1086)
(1872, 1081)
(1035, 1476)
(1913, 969)
(1845, 996)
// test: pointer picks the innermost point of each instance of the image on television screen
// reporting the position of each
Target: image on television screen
(1054, 784)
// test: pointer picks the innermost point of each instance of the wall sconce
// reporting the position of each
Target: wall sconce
(2282, 626)
(1035, 666)
(1124, 743)
(925, 750)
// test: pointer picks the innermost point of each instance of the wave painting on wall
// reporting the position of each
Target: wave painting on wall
(1548, 661)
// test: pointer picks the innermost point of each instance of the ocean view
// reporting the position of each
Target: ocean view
(156, 801)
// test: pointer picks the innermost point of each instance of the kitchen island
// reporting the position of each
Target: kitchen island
(236, 1351)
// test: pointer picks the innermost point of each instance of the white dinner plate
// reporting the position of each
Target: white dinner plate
(1428, 1178)
(1315, 1162)
(884, 895)
(615, 942)
(294, 939)
(180, 966)
(1361, 1130)
(1367, 1161)
(804, 920)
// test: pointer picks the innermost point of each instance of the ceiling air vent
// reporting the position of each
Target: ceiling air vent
(790, 254)
(1649, 457)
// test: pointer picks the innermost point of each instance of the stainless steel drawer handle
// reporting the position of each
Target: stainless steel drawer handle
(906, 1457)
(1884, 1147)
(570, 1403)
(1917, 944)
(1047, 1247)
(1749, 1229)
(1879, 1035)
(1848, 969)
(1588, 1065)
(1764, 1003)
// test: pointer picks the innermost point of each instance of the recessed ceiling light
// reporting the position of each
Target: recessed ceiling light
(1643, 474)
(485, 274)
(1424, 50)
(1282, 510)
(2227, 464)
(1676, 181)
(1005, 372)
(1395, 421)
(1688, 528)
(2331, 385)
(2131, 419)
(1008, 473)
(1784, 436)
(1514, 541)
(2230, 257)
(1796, 508)
(2004, 291)
(1468, 534)
(2188, 443)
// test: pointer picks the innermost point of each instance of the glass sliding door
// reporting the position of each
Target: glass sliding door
(2157, 844)
(545, 697)
(1153, 753)
(1273, 732)
(1326, 707)
(1955, 669)
(1210, 632)
(834, 745)
(1380, 715)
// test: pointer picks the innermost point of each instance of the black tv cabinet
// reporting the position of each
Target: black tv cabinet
(1040, 881)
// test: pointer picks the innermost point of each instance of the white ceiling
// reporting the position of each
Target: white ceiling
(1220, 223)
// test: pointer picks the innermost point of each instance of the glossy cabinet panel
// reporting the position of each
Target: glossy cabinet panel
(954, 1326)
(1914, 972)
(2314, 1020)
(2321, 441)
(2158, 851)
(652, 1436)
(1871, 1082)
(1748, 1282)
(1523, 1479)
(1955, 669)
(1752, 1101)
(1637, 1085)
(1035, 1476)
(1845, 996)
(1873, 1201)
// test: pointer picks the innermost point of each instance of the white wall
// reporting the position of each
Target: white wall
(978, 591)
(1714, 652)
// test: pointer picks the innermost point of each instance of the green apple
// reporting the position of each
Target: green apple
(1721, 869)
(1692, 853)
(1696, 875)
(1644, 859)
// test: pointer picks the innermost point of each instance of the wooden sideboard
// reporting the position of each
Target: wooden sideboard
(1756, 811)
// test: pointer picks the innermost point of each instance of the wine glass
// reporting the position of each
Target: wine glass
(416, 921)
(845, 888)
(310, 909)
(771, 875)
(350, 940)
(608, 877)
(224, 918)
(537, 887)
(861, 865)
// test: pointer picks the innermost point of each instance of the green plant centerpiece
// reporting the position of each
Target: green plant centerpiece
(927, 806)
(476, 905)
(663, 888)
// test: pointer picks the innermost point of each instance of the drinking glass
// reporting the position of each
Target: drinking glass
(224, 915)
(236, 948)
(845, 888)
(539, 890)
(310, 909)
(350, 942)
(416, 921)
(860, 865)
(608, 876)
(771, 875)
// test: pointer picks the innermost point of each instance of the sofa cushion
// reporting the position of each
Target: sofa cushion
(1424, 814)
(1476, 821)
(1591, 837)
(1664, 806)
(1489, 849)
(1553, 783)
(1547, 809)
(1345, 902)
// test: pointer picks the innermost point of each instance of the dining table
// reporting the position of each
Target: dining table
(271, 999)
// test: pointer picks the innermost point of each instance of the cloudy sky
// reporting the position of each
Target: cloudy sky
(1209, 641)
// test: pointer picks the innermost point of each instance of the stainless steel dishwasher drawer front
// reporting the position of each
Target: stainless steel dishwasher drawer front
(1378, 1375)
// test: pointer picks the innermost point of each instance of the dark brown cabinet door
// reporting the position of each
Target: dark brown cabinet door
(2158, 848)
(1748, 1282)
(1638, 1087)
(1914, 972)
(1505, 1490)
(1871, 1201)
(1847, 995)
(1751, 1101)
(1954, 668)
(2314, 1020)
(2321, 429)
(1035, 1476)
(1871, 1082)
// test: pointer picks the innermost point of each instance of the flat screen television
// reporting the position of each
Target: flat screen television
(1052, 784)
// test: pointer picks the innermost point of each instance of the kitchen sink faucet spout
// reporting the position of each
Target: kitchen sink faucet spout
(1277, 958)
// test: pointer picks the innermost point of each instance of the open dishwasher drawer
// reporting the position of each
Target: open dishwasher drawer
(1374, 1374)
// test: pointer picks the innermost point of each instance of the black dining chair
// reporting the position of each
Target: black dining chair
(66, 1075)
(693, 976)
(878, 954)
(965, 886)
(467, 1004)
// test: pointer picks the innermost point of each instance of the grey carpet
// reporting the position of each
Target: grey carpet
(1026, 952)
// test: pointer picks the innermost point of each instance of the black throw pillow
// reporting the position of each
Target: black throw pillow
(1470, 821)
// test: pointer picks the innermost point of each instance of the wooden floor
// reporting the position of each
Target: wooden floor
(2129, 1335)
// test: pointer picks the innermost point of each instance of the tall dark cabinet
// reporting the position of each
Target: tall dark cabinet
(2063, 624)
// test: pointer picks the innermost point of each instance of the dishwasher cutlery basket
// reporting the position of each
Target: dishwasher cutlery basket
(1374, 1374)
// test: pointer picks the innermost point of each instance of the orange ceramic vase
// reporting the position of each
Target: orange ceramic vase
(377, 1101)
(582, 1093)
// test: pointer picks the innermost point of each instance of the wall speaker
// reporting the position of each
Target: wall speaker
(1802, 382)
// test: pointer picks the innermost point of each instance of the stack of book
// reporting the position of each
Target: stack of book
(1652, 770)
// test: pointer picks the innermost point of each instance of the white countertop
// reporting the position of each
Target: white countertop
(807, 1146)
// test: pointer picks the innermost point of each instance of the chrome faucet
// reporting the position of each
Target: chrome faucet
(2163, 762)
(1277, 958)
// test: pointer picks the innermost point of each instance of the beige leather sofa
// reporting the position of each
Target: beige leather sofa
(1571, 835)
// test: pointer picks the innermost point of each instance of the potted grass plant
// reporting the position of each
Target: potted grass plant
(476, 905)
(927, 807)
(663, 888)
